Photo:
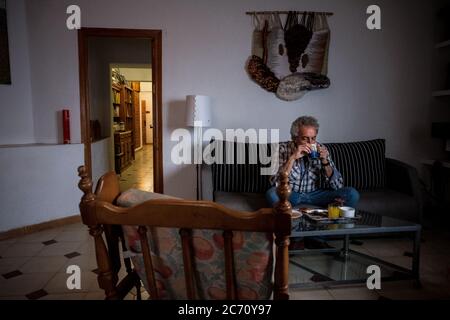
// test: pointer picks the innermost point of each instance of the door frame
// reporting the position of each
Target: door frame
(155, 36)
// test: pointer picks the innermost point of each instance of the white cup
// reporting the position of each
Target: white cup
(347, 212)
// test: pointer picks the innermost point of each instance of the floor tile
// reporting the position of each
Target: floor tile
(310, 295)
(4, 247)
(72, 254)
(73, 236)
(43, 264)
(59, 249)
(24, 284)
(87, 247)
(384, 247)
(68, 296)
(11, 264)
(21, 297)
(85, 262)
(361, 293)
(402, 261)
(36, 294)
(49, 242)
(11, 274)
(140, 173)
(23, 250)
(40, 236)
(99, 295)
(8, 241)
(79, 226)
(58, 284)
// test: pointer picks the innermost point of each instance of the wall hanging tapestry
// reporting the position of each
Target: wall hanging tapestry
(292, 59)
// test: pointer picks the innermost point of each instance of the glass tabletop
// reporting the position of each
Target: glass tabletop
(363, 223)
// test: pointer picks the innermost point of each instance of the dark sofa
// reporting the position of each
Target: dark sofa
(387, 186)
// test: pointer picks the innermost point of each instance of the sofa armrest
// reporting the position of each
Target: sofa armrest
(404, 178)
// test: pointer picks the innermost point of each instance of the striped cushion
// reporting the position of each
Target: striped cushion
(239, 177)
(362, 164)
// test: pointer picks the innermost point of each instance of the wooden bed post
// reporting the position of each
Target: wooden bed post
(106, 278)
(283, 207)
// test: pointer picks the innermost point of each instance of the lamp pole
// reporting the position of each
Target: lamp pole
(198, 115)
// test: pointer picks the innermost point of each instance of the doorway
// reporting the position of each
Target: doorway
(98, 131)
(132, 156)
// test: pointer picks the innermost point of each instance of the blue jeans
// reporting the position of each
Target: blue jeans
(320, 197)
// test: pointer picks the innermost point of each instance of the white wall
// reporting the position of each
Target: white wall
(102, 53)
(38, 183)
(102, 157)
(16, 122)
(54, 70)
(380, 80)
(138, 73)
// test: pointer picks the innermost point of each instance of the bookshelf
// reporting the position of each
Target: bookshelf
(128, 108)
(116, 93)
(123, 110)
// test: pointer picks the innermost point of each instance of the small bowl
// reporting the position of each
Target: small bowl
(347, 212)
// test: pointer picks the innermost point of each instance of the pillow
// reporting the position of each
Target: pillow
(362, 164)
(253, 258)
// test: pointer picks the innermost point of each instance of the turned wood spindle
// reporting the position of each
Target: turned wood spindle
(283, 207)
(284, 191)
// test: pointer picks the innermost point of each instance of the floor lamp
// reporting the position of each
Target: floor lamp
(198, 116)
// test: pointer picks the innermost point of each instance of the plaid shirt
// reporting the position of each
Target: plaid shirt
(307, 174)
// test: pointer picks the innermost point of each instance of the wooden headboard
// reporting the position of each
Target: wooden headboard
(100, 213)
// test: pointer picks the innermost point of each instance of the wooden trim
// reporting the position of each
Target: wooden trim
(84, 94)
(148, 262)
(186, 241)
(157, 113)
(22, 231)
(155, 36)
(229, 265)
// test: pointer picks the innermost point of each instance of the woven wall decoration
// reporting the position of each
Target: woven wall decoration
(289, 60)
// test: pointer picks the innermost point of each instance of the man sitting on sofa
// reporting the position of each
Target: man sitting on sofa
(313, 181)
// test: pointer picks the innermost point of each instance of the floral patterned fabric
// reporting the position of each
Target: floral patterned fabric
(253, 258)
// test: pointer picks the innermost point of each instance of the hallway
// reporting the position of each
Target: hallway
(140, 174)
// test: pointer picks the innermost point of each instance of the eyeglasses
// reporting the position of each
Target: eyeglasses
(306, 139)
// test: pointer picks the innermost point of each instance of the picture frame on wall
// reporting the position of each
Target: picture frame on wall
(5, 72)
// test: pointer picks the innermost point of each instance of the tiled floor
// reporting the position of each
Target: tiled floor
(140, 174)
(31, 269)
(34, 267)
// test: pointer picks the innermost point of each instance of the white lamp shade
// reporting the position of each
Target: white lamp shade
(198, 111)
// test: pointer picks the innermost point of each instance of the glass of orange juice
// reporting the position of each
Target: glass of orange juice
(333, 211)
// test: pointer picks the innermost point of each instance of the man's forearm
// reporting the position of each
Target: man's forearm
(287, 167)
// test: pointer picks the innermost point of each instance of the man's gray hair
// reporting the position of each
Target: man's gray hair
(303, 121)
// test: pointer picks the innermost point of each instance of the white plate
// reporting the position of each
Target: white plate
(310, 210)
(296, 214)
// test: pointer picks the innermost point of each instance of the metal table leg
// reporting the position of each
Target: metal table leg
(416, 258)
(346, 245)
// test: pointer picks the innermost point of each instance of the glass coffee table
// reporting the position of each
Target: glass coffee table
(334, 266)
